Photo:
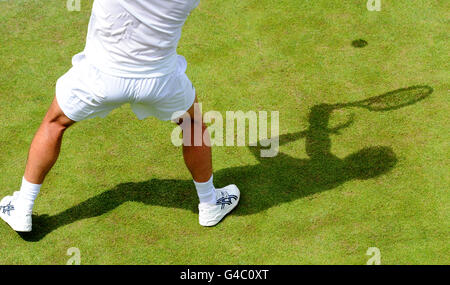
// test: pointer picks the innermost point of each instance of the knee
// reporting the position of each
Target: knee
(188, 123)
(55, 127)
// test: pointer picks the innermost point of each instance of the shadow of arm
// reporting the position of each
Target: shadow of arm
(282, 140)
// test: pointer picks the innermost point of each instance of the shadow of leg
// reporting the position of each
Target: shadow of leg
(168, 193)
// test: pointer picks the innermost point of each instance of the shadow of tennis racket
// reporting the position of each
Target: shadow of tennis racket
(392, 100)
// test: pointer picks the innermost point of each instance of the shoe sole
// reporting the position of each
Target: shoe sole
(211, 224)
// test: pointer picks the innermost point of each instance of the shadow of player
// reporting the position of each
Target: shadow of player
(270, 182)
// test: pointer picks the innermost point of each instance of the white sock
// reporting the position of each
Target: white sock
(206, 191)
(27, 195)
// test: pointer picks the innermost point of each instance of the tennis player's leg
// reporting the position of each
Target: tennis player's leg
(16, 210)
(214, 204)
(82, 93)
(173, 97)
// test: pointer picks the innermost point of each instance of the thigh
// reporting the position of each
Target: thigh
(56, 115)
(194, 112)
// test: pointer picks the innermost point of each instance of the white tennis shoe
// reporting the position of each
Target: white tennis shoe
(20, 221)
(227, 200)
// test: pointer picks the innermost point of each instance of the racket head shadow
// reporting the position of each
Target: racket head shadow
(396, 99)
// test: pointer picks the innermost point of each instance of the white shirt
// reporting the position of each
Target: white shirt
(136, 38)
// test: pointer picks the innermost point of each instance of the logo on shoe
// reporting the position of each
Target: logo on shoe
(7, 209)
(226, 200)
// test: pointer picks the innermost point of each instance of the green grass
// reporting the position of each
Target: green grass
(120, 191)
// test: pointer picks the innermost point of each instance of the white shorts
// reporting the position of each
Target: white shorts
(85, 92)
